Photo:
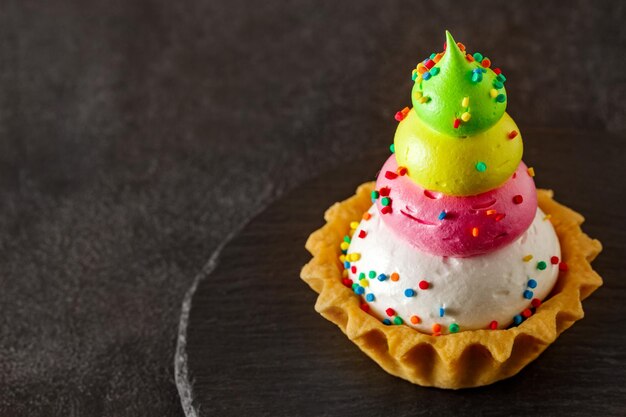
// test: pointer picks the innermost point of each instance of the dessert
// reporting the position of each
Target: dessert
(452, 255)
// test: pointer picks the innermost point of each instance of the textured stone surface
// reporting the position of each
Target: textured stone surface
(136, 134)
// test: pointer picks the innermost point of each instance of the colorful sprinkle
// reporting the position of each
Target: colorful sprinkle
(554, 260)
(385, 201)
(518, 199)
(481, 166)
(535, 302)
(409, 292)
(372, 274)
(390, 312)
(486, 62)
(466, 117)
(528, 294)
(415, 320)
(475, 231)
(347, 282)
(493, 93)
(426, 76)
(401, 170)
(478, 56)
(365, 307)
(344, 245)
(402, 114)
(500, 216)
(386, 322)
(465, 102)
(453, 328)
(362, 234)
(442, 215)
(354, 225)
(386, 210)
(382, 277)
(531, 171)
(367, 216)
(498, 71)
(390, 175)
(434, 71)
(355, 256)
(370, 297)
(429, 63)
(359, 290)
(442, 311)
(346, 238)
(527, 258)
(547, 217)
(456, 123)
(477, 77)
(362, 276)
(532, 283)
(497, 84)
(493, 325)
(513, 134)
(395, 276)
(398, 320)
(469, 58)
(517, 319)
(423, 285)
(436, 328)
(541, 265)
(501, 98)
(527, 313)
(385, 191)
(392, 148)
(499, 76)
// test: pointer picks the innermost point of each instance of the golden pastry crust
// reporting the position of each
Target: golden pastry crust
(466, 359)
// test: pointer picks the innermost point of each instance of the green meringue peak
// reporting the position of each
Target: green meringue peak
(460, 95)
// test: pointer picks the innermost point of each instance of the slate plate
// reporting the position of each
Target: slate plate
(251, 343)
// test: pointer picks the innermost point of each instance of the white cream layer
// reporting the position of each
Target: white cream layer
(471, 292)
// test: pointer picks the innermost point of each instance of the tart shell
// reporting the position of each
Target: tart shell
(466, 359)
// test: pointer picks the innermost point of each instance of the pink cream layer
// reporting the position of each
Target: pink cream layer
(455, 226)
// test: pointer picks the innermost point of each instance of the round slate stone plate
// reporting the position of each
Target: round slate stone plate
(251, 344)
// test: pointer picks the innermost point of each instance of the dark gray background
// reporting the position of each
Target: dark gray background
(134, 135)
